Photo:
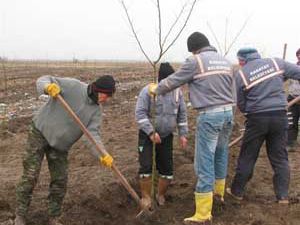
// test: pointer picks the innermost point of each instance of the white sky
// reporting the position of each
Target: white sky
(98, 29)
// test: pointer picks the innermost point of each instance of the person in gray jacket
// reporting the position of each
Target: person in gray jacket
(294, 110)
(170, 111)
(210, 79)
(261, 97)
(53, 132)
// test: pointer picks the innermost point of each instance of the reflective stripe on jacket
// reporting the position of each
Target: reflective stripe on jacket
(209, 76)
(260, 84)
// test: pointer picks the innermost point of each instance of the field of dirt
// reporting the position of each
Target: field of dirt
(94, 194)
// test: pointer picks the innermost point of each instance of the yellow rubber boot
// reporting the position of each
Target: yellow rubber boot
(202, 215)
(219, 190)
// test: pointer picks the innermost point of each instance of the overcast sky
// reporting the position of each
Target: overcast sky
(98, 29)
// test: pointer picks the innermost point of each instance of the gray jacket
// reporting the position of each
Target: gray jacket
(59, 129)
(170, 111)
(209, 76)
(260, 84)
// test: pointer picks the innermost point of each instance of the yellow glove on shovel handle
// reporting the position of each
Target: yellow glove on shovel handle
(152, 89)
(106, 160)
(52, 89)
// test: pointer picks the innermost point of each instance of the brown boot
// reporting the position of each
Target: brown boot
(19, 220)
(55, 221)
(163, 185)
(145, 185)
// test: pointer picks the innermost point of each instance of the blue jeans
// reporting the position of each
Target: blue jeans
(211, 155)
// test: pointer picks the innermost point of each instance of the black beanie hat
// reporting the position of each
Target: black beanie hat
(197, 41)
(298, 52)
(104, 84)
(165, 70)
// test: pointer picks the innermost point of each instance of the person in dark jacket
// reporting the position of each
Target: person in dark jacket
(170, 112)
(294, 110)
(53, 132)
(261, 97)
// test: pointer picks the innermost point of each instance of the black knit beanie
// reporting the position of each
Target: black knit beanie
(165, 70)
(104, 84)
(197, 41)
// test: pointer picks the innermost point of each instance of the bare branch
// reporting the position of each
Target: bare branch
(159, 28)
(134, 33)
(180, 31)
(175, 22)
(215, 37)
(226, 33)
(237, 35)
(162, 41)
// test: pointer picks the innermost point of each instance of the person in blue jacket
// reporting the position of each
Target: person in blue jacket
(261, 97)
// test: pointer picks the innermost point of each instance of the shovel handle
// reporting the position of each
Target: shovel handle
(236, 140)
(114, 168)
(294, 101)
(81, 125)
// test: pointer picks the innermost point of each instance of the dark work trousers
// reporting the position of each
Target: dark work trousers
(270, 127)
(164, 156)
(293, 127)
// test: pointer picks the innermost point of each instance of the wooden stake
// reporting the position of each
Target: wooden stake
(284, 51)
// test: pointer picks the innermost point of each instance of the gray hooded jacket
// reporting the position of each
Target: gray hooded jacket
(210, 79)
(260, 83)
(59, 129)
(170, 111)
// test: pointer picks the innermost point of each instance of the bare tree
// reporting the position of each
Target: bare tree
(164, 45)
(227, 45)
(163, 42)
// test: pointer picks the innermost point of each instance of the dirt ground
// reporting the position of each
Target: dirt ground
(94, 194)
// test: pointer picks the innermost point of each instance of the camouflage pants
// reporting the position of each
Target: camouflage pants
(37, 146)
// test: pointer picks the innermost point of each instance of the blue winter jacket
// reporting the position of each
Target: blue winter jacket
(260, 83)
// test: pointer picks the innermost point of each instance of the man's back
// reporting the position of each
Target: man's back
(209, 76)
(260, 84)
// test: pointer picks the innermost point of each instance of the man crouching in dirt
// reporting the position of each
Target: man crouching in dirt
(210, 80)
(170, 110)
(53, 132)
(261, 97)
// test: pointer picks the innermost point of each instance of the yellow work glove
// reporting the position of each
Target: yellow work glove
(52, 89)
(106, 160)
(152, 89)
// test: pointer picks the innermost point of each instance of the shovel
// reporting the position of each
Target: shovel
(122, 179)
(235, 141)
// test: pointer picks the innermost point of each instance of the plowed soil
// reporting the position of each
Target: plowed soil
(95, 196)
